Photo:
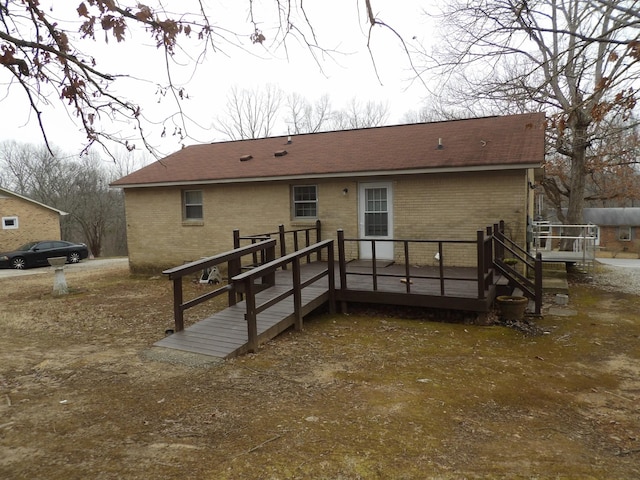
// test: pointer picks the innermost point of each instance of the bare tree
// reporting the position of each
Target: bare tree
(305, 117)
(250, 113)
(44, 53)
(79, 187)
(360, 115)
(577, 60)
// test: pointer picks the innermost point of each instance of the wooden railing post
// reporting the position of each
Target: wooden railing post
(374, 265)
(319, 238)
(538, 283)
(407, 268)
(178, 315)
(236, 239)
(251, 316)
(342, 267)
(441, 267)
(283, 244)
(270, 255)
(332, 279)
(297, 294)
(233, 269)
(481, 263)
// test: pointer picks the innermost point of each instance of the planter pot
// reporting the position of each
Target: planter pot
(511, 307)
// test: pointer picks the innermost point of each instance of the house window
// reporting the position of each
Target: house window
(9, 223)
(305, 201)
(192, 200)
(624, 234)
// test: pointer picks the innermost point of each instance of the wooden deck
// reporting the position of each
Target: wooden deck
(225, 335)
(277, 293)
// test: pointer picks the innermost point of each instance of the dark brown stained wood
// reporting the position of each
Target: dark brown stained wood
(224, 334)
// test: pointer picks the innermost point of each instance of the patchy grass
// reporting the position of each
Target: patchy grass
(352, 396)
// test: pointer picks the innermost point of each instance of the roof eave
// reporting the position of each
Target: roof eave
(370, 173)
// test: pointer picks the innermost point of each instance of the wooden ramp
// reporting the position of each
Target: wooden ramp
(224, 334)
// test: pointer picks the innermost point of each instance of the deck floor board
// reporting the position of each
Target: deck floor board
(224, 334)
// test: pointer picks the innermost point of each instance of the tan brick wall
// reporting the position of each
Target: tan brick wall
(426, 206)
(34, 222)
(610, 243)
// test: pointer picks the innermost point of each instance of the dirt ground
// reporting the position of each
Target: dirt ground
(366, 395)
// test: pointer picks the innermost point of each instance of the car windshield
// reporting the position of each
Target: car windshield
(27, 246)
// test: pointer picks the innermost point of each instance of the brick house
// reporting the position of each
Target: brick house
(25, 220)
(441, 180)
(619, 228)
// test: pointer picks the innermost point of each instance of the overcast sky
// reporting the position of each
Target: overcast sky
(339, 26)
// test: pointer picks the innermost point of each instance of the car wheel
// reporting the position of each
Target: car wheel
(19, 263)
(74, 257)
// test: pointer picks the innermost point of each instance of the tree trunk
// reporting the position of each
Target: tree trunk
(577, 181)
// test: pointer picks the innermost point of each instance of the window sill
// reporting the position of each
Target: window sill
(193, 223)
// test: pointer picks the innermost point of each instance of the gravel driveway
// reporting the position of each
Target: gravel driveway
(621, 275)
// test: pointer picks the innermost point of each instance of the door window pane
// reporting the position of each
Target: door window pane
(376, 216)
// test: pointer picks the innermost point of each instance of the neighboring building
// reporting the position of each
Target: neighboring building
(442, 180)
(25, 220)
(619, 228)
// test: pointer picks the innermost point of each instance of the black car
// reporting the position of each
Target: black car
(35, 254)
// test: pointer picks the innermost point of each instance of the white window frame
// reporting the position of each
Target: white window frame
(7, 220)
(295, 203)
(185, 206)
(624, 233)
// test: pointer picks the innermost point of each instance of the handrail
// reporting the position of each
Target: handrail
(245, 283)
(532, 288)
(282, 238)
(484, 267)
(233, 260)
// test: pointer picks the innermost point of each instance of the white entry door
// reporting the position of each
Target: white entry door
(376, 219)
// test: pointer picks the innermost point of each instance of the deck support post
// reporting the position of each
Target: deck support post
(319, 237)
(481, 263)
(178, 315)
(283, 240)
(342, 267)
(538, 283)
(331, 266)
(251, 317)
(297, 294)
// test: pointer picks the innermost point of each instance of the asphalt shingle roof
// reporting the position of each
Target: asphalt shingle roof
(490, 142)
(613, 216)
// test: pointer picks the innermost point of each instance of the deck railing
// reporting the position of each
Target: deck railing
(504, 249)
(287, 240)
(484, 265)
(233, 259)
(246, 283)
